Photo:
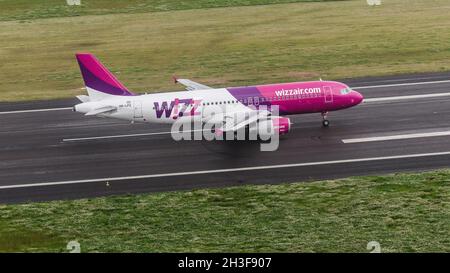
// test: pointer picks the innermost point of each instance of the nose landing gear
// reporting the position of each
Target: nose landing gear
(325, 121)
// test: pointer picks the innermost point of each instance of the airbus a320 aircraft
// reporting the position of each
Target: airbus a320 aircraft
(107, 97)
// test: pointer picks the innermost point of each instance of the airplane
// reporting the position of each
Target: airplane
(108, 97)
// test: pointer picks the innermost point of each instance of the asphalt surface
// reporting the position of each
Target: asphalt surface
(33, 150)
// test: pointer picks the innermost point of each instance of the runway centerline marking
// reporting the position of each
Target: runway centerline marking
(409, 97)
(35, 110)
(406, 80)
(123, 136)
(255, 168)
(400, 84)
(396, 137)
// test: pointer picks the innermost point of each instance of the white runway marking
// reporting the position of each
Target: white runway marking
(399, 84)
(35, 110)
(121, 136)
(268, 167)
(406, 97)
(116, 136)
(396, 137)
(404, 79)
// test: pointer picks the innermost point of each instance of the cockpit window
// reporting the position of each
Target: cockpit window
(345, 91)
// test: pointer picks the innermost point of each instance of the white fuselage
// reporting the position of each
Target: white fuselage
(167, 107)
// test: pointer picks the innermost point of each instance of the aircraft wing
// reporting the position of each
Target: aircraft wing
(255, 116)
(83, 98)
(191, 85)
(229, 124)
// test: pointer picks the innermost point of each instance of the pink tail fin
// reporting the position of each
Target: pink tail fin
(98, 78)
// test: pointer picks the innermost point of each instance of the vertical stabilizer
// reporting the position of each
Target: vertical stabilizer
(100, 82)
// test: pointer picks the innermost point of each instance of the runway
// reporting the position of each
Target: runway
(48, 152)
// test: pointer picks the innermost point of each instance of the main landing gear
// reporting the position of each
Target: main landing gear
(325, 122)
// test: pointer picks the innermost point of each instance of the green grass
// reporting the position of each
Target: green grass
(226, 46)
(403, 212)
(38, 9)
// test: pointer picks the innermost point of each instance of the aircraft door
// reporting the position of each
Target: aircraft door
(328, 94)
(137, 107)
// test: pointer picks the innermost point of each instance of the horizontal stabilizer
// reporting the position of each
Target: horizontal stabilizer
(100, 110)
(83, 98)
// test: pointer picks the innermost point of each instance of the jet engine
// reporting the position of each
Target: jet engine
(274, 124)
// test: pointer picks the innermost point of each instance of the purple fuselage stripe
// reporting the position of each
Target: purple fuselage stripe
(243, 94)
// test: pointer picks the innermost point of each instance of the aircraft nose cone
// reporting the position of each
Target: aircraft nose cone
(357, 97)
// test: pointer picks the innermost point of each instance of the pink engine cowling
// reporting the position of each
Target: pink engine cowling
(281, 125)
